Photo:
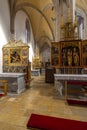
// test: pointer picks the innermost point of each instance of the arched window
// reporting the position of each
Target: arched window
(82, 22)
(27, 31)
(81, 26)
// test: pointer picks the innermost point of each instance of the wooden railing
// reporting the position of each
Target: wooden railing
(3, 85)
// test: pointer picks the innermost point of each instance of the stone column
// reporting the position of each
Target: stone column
(72, 6)
(57, 21)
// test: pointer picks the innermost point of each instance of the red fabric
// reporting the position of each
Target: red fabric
(76, 82)
(1, 94)
(52, 123)
(76, 102)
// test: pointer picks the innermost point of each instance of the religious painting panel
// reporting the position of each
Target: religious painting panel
(55, 54)
(84, 53)
(15, 56)
(5, 56)
(70, 53)
(25, 51)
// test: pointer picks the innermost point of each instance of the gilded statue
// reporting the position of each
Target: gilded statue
(75, 57)
(36, 60)
(69, 57)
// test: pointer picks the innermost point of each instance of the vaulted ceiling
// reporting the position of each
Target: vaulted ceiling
(41, 15)
(82, 4)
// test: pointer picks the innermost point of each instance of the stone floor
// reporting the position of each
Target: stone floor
(40, 98)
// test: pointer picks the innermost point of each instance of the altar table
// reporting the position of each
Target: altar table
(35, 72)
(16, 82)
(80, 79)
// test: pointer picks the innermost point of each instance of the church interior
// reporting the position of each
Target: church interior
(43, 61)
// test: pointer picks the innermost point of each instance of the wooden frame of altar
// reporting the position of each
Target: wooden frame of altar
(84, 53)
(55, 54)
(70, 56)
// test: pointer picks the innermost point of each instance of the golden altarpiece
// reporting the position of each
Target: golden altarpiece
(16, 58)
(36, 60)
(70, 54)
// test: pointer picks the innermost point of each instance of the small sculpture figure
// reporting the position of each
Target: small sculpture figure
(64, 57)
(69, 57)
(75, 57)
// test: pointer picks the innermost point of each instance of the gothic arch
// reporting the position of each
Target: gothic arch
(83, 14)
(20, 7)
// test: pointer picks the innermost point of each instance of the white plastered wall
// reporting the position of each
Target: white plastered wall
(4, 27)
(19, 26)
(84, 15)
(20, 30)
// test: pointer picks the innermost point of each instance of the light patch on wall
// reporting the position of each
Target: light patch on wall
(2, 42)
(31, 53)
(2, 36)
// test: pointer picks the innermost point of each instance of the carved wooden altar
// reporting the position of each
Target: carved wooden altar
(16, 57)
(70, 54)
(36, 61)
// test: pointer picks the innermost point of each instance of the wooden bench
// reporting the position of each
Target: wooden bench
(3, 85)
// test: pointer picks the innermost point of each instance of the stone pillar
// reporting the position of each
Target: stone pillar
(57, 21)
(72, 6)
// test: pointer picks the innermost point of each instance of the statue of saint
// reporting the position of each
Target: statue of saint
(64, 57)
(75, 57)
(69, 57)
